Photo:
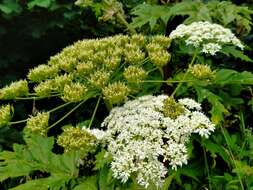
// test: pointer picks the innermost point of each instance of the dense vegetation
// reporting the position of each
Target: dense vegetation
(106, 94)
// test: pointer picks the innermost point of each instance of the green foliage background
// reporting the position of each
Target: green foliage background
(32, 31)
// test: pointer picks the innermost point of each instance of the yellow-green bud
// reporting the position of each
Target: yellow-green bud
(42, 72)
(99, 79)
(160, 58)
(138, 39)
(163, 41)
(201, 71)
(116, 93)
(61, 81)
(68, 63)
(134, 56)
(153, 47)
(15, 89)
(74, 138)
(45, 88)
(55, 60)
(5, 115)
(172, 109)
(99, 56)
(112, 62)
(85, 68)
(55, 85)
(74, 92)
(38, 124)
(134, 74)
(85, 55)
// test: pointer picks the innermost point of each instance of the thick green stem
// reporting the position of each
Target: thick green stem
(180, 84)
(95, 111)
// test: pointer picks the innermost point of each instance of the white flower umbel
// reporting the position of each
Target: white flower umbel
(207, 36)
(144, 141)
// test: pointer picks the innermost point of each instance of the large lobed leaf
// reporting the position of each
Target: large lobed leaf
(36, 155)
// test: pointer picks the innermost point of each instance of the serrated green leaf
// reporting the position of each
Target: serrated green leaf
(231, 50)
(218, 110)
(39, 3)
(55, 182)
(228, 76)
(88, 184)
(149, 14)
(36, 155)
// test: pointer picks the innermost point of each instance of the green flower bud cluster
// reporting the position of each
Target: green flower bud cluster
(74, 92)
(5, 115)
(201, 71)
(38, 124)
(133, 54)
(15, 89)
(158, 54)
(138, 40)
(162, 41)
(42, 72)
(99, 79)
(93, 65)
(134, 74)
(172, 109)
(116, 93)
(74, 138)
(84, 68)
(56, 85)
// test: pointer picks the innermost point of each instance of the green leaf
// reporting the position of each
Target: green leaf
(106, 179)
(36, 155)
(231, 50)
(88, 184)
(228, 76)
(217, 149)
(218, 109)
(196, 11)
(146, 13)
(10, 6)
(39, 3)
(168, 181)
(101, 160)
(54, 182)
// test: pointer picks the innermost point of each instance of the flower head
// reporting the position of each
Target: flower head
(15, 89)
(200, 71)
(116, 93)
(207, 36)
(38, 124)
(5, 115)
(74, 138)
(148, 129)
